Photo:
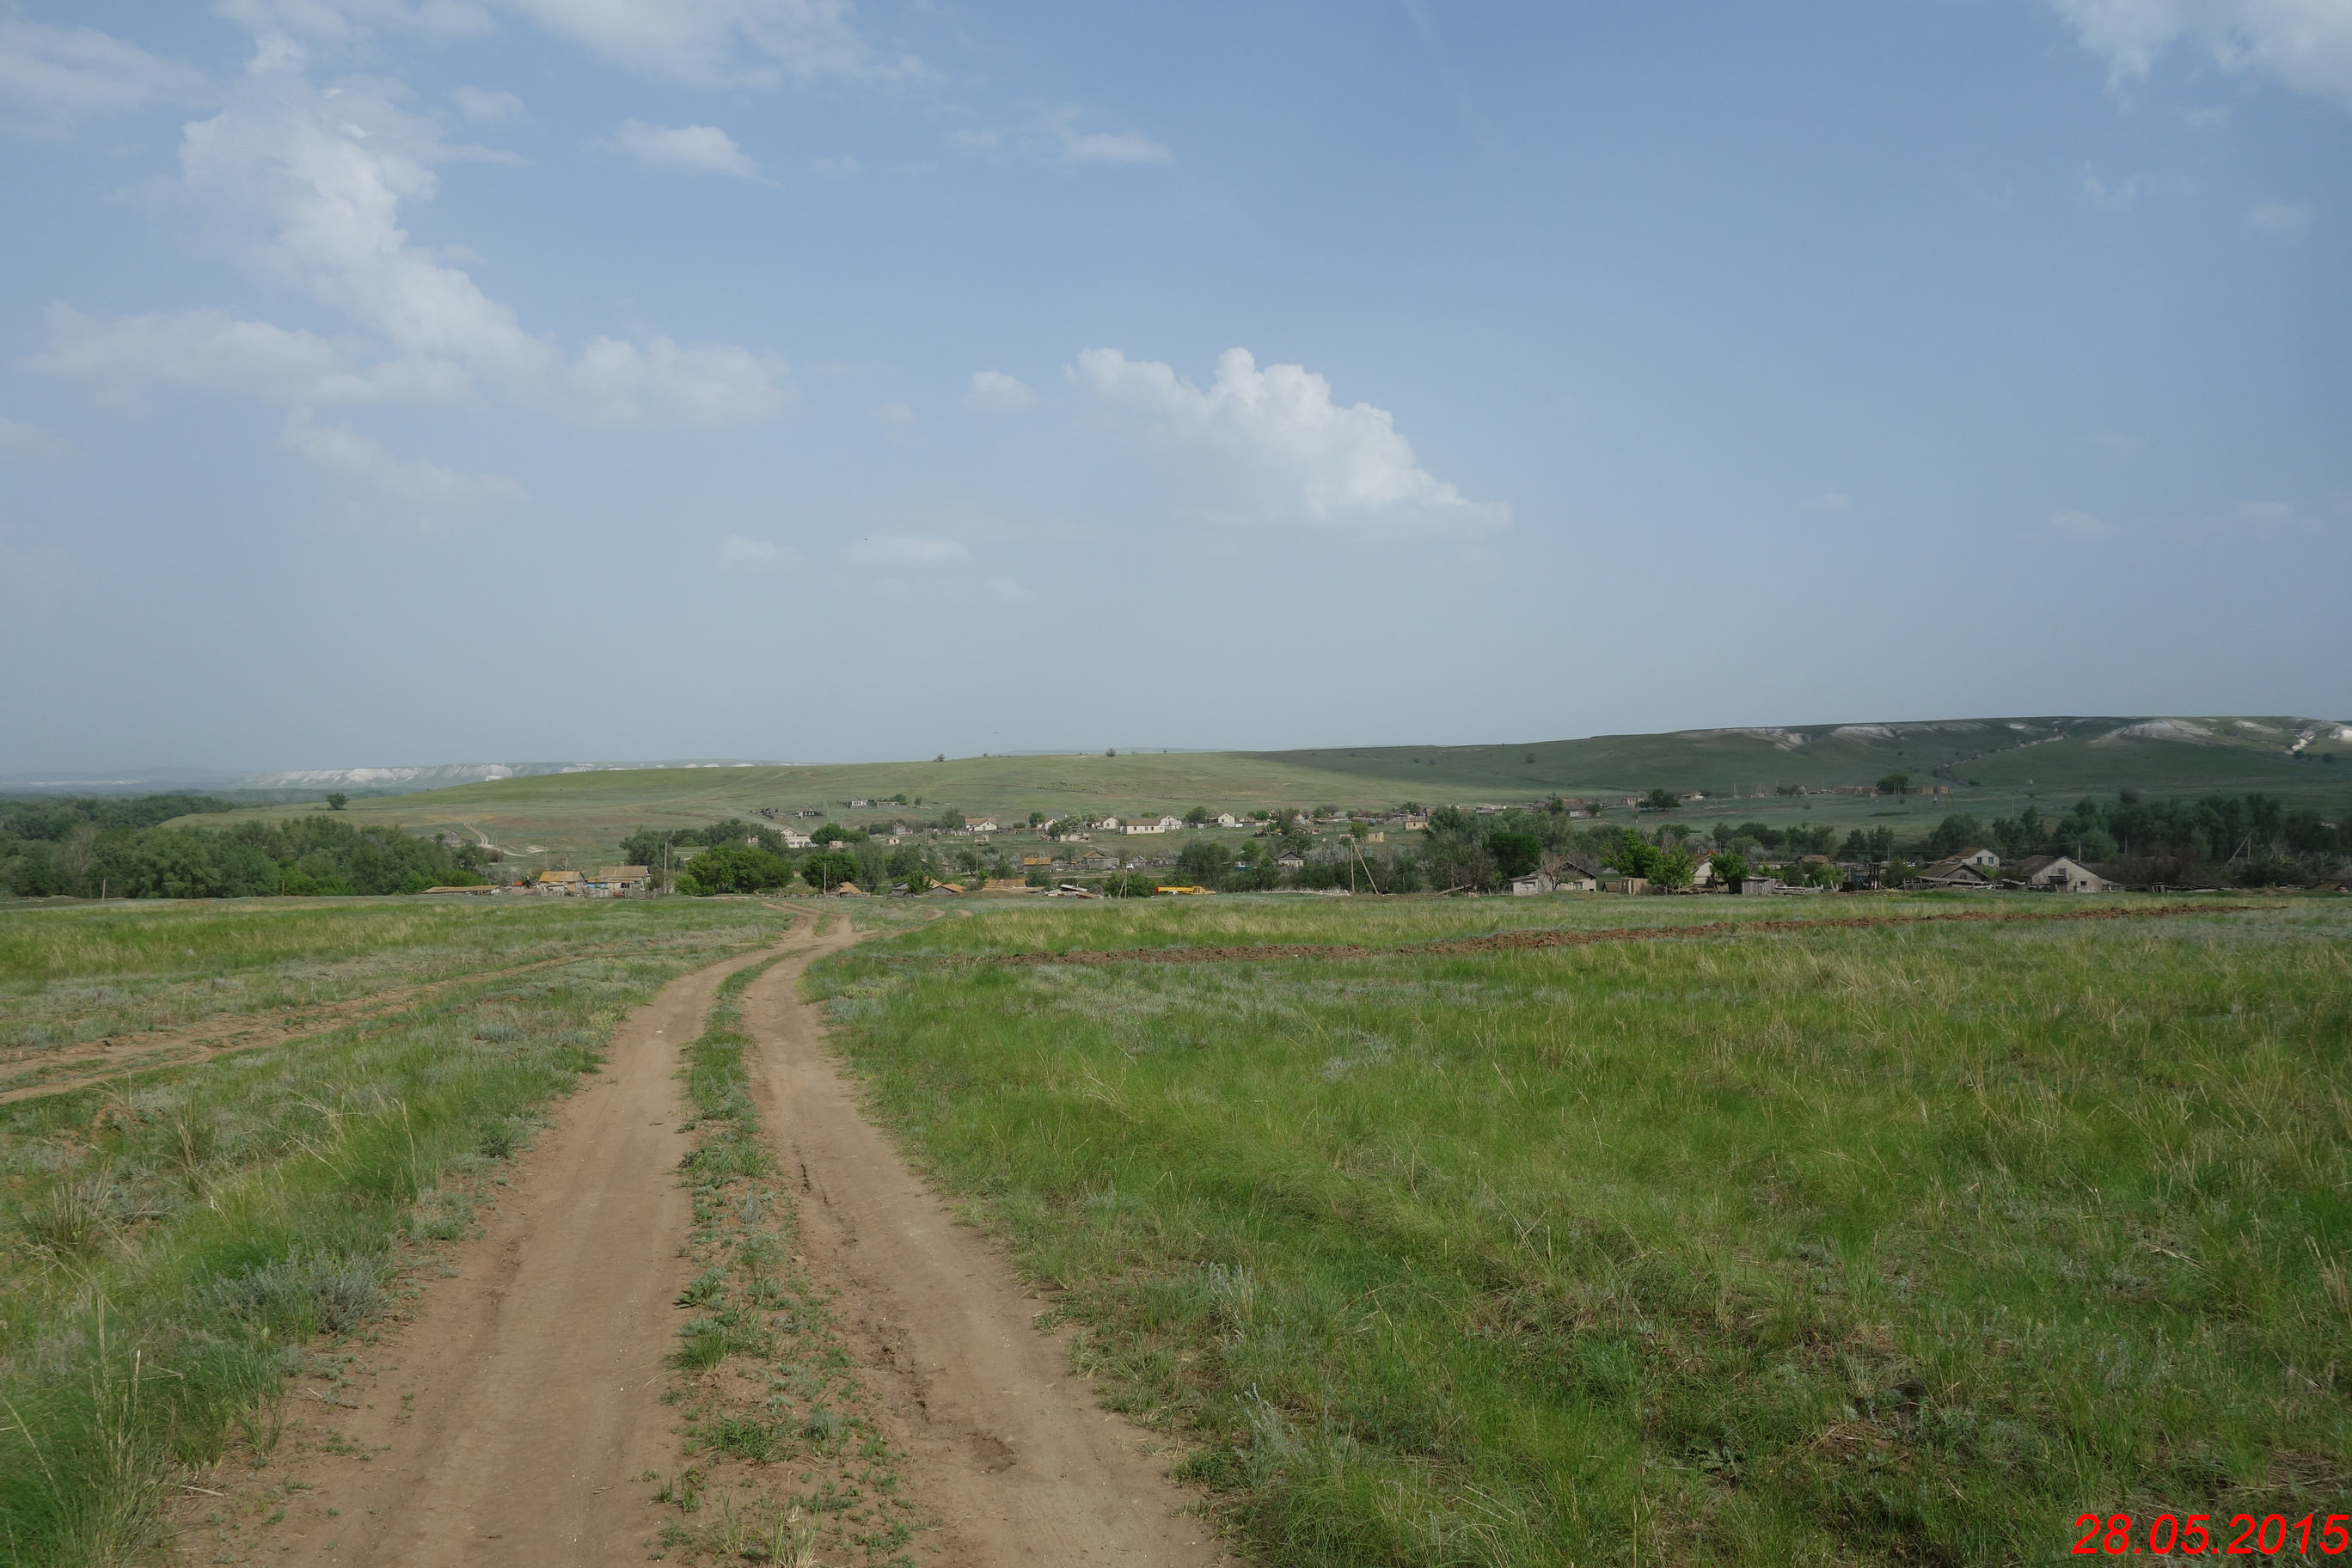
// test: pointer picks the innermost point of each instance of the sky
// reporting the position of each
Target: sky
(417, 381)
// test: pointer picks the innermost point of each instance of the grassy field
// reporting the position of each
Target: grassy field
(174, 1238)
(1879, 1245)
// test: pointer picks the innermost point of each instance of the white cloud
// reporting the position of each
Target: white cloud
(485, 107)
(21, 443)
(736, 550)
(2307, 44)
(2284, 220)
(709, 43)
(907, 550)
(2079, 525)
(712, 383)
(52, 76)
(117, 355)
(993, 392)
(1101, 146)
(2112, 196)
(305, 188)
(434, 490)
(1052, 131)
(1271, 445)
(894, 414)
(353, 21)
(685, 147)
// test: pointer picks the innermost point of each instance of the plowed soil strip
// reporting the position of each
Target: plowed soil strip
(1518, 940)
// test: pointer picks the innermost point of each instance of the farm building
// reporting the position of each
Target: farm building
(1975, 854)
(1575, 876)
(1614, 883)
(1950, 874)
(558, 884)
(2059, 873)
(1534, 882)
(610, 881)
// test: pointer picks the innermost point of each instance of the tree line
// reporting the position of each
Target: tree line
(115, 847)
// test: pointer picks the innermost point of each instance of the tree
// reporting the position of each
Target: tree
(951, 820)
(940, 758)
(1730, 868)
(735, 868)
(1661, 800)
(1894, 783)
(1447, 819)
(1672, 869)
(1037, 818)
(1197, 817)
(1515, 854)
(828, 870)
(1360, 831)
(337, 801)
(911, 865)
(1201, 863)
(1633, 854)
(835, 833)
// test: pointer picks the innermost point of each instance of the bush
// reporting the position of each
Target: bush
(305, 1292)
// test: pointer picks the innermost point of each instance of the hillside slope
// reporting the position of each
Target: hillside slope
(583, 817)
(2054, 754)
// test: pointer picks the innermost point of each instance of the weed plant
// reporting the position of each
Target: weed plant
(175, 1239)
(1888, 1245)
(784, 1457)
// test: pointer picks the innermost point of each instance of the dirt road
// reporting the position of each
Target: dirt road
(1005, 1444)
(513, 1419)
(509, 1420)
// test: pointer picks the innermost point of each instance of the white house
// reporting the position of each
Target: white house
(1227, 819)
(1977, 854)
(1108, 824)
(1534, 882)
(1145, 824)
(2059, 874)
(983, 826)
(797, 840)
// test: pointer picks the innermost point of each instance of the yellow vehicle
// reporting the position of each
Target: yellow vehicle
(1184, 889)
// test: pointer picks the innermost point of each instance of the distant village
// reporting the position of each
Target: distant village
(1525, 850)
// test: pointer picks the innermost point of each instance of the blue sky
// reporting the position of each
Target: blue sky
(390, 381)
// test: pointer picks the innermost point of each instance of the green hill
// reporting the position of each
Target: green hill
(1990, 766)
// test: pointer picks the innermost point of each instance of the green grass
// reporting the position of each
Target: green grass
(175, 1239)
(70, 973)
(582, 818)
(1889, 1246)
